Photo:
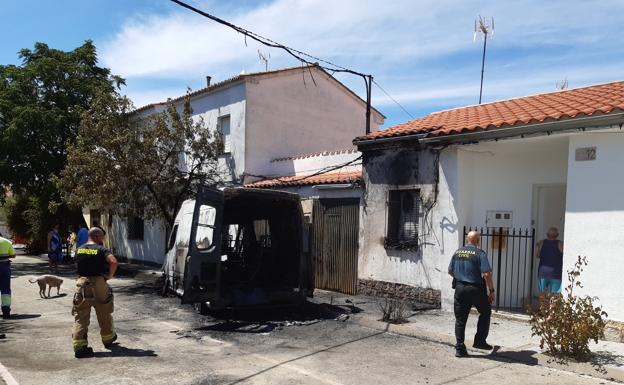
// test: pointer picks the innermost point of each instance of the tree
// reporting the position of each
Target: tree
(41, 101)
(40, 106)
(135, 165)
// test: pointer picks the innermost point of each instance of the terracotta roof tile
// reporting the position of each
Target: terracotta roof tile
(299, 180)
(586, 101)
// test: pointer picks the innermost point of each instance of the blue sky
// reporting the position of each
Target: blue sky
(422, 52)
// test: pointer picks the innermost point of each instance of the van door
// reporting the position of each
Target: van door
(202, 271)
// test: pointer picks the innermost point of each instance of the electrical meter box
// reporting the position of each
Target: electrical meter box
(496, 218)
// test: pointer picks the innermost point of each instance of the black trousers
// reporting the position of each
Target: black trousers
(467, 296)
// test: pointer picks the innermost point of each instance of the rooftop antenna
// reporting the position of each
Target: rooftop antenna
(562, 84)
(482, 25)
(265, 58)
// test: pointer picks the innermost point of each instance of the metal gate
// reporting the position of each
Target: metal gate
(511, 253)
(335, 229)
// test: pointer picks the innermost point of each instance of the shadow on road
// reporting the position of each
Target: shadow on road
(121, 351)
(15, 317)
(526, 357)
(54, 296)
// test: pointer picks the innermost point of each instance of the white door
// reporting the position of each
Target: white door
(549, 202)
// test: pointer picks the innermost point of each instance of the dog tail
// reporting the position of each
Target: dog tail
(32, 281)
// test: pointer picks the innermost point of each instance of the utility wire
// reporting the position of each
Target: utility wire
(393, 99)
(272, 43)
(322, 171)
(299, 55)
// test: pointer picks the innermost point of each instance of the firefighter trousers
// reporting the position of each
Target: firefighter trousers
(92, 292)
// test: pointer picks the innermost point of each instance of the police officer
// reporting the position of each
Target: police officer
(6, 252)
(472, 280)
(95, 265)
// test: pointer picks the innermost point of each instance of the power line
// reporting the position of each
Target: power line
(393, 99)
(297, 54)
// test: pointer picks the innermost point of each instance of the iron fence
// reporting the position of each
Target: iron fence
(511, 255)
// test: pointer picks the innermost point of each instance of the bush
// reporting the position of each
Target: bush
(566, 323)
(393, 309)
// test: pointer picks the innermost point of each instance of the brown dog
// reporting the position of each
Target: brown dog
(50, 281)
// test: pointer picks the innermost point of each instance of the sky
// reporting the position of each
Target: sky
(422, 52)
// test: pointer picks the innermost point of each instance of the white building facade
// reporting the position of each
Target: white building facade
(511, 169)
(261, 117)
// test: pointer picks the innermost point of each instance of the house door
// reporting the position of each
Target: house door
(335, 244)
(549, 203)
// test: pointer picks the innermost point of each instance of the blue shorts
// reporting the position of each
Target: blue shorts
(549, 285)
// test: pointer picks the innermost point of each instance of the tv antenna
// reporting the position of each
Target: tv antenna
(265, 58)
(486, 27)
(562, 84)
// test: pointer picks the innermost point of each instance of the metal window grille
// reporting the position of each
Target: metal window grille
(404, 207)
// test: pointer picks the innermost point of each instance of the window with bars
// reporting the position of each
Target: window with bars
(404, 207)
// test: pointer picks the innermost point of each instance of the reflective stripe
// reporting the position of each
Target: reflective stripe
(5, 299)
(80, 343)
(109, 337)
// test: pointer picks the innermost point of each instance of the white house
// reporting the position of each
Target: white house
(509, 167)
(262, 116)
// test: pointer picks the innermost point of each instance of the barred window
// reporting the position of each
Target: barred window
(404, 208)
(135, 228)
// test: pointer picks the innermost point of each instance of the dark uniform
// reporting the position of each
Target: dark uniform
(467, 267)
(92, 291)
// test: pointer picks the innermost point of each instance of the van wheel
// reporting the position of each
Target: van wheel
(165, 288)
(202, 308)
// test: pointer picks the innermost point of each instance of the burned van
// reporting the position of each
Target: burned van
(237, 247)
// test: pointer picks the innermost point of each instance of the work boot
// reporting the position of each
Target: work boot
(6, 312)
(482, 345)
(84, 353)
(109, 345)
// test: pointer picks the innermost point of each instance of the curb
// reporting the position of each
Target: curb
(503, 354)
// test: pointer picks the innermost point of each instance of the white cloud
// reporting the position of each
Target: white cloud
(400, 41)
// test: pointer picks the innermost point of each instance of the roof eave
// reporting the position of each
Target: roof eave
(528, 129)
(373, 141)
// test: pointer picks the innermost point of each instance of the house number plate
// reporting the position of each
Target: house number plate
(585, 153)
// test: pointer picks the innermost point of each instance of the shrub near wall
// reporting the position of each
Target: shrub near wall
(566, 322)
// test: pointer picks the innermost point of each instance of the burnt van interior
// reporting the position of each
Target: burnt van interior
(261, 246)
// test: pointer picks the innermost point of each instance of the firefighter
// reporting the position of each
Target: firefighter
(95, 265)
(6, 252)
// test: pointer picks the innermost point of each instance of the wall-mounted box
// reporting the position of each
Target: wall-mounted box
(499, 218)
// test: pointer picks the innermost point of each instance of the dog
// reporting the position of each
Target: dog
(50, 281)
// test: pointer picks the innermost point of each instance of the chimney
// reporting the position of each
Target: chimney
(208, 78)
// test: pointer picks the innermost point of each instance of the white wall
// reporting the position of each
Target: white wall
(501, 175)
(595, 218)
(286, 116)
(228, 100)
(407, 169)
(151, 249)
(310, 164)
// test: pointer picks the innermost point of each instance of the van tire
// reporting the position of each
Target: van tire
(165, 288)
(202, 308)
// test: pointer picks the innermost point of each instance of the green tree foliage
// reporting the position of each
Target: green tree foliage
(139, 165)
(41, 102)
(566, 323)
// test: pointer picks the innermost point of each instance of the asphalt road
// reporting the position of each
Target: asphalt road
(163, 342)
